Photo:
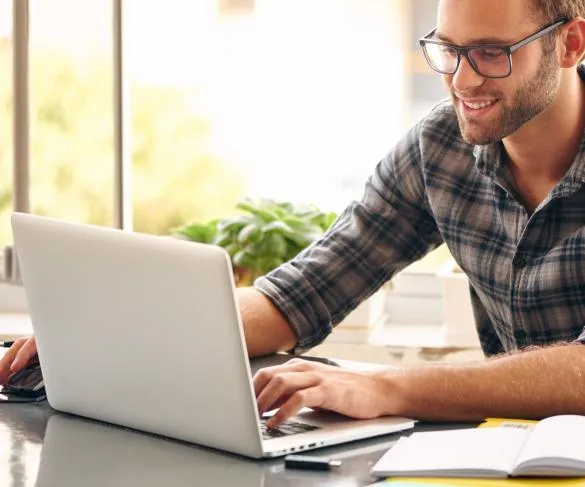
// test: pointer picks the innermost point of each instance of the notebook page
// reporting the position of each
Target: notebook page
(557, 436)
(481, 451)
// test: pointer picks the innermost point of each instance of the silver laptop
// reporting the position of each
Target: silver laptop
(144, 331)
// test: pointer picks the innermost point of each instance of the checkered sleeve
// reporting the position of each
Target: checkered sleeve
(374, 238)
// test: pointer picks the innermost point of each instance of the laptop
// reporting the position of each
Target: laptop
(143, 331)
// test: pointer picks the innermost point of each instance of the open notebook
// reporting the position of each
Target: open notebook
(551, 447)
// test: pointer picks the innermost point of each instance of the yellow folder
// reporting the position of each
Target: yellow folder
(448, 482)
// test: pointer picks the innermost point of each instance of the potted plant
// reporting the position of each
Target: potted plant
(265, 234)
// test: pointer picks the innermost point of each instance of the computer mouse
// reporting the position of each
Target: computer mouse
(27, 382)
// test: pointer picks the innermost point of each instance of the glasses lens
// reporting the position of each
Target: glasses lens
(491, 62)
(441, 58)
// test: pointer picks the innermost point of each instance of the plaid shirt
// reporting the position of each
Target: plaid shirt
(526, 272)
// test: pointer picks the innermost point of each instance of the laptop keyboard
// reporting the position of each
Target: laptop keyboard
(285, 429)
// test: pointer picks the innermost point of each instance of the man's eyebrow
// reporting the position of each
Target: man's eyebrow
(472, 42)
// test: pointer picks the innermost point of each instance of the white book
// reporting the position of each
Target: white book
(552, 447)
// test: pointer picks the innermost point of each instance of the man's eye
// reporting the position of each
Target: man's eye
(448, 51)
(489, 54)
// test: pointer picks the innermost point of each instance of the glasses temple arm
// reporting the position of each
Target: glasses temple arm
(537, 35)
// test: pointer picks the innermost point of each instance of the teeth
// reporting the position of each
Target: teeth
(479, 106)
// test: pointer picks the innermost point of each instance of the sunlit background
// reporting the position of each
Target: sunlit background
(295, 100)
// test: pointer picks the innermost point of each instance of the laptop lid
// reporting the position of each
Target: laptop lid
(131, 329)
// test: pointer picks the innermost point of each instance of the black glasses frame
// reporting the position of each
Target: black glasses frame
(464, 50)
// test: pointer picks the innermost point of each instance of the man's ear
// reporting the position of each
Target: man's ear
(573, 43)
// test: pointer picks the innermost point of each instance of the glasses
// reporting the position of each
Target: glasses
(487, 60)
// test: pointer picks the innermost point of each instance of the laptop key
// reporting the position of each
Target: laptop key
(272, 433)
(285, 429)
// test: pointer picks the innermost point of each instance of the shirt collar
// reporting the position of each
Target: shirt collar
(488, 158)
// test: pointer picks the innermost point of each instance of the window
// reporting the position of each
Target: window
(71, 110)
(6, 154)
(228, 98)
(281, 99)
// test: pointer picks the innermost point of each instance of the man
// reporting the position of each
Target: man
(497, 173)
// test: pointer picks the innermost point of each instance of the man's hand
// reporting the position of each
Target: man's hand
(17, 357)
(300, 383)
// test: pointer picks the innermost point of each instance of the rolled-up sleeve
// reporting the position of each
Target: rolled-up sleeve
(374, 238)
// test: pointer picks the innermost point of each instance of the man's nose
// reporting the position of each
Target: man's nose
(466, 77)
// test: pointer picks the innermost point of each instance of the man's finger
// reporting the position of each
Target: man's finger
(261, 378)
(8, 358)
(284, 385)
(24, 355)
(310, 397)
(265, 375)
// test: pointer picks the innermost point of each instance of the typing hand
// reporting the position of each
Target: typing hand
(17, 357)
(300, 383)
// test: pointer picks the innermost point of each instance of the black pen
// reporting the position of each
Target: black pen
(7, 344)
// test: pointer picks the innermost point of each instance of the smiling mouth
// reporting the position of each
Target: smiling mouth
(479, 105)
(479, 110)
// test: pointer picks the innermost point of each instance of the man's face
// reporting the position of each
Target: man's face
(492, 109)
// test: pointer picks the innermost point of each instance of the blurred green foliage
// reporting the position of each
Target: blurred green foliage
(176, 177)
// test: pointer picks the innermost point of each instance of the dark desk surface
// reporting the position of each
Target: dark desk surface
(43, 448)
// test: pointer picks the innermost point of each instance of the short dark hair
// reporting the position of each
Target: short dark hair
(550, 11)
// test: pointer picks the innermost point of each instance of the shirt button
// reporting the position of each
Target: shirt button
(520, 334)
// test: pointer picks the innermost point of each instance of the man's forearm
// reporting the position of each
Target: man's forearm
(532, 384)
(266, 329)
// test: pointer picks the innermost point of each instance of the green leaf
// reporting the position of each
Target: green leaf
(266, 264)
(232, 249)
(244, 258)
(264, 215)
(283, 209)
(293, 250)
(299, 239)
(223, 238)
(235, 223)
(197, 232)
(250, 233)
(277, 226)
(297, 224)
(274, 245)
(328, 220)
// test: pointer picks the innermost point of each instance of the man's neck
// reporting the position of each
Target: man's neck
(545, 148)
